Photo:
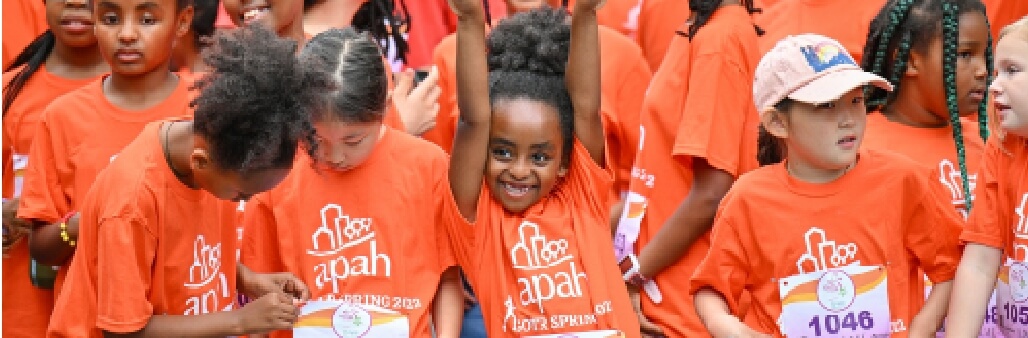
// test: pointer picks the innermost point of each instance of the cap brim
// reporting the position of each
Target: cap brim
(834, 85)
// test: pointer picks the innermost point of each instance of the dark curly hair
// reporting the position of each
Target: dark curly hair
(307, 4)
(355, 62)
(385, 23)
(905, 25)
(704, 10)
(528, 53)
(205, 14)
(254, 107)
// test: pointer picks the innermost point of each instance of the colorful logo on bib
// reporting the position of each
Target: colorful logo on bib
(835, 291)
(351, 321)
(1018, 282)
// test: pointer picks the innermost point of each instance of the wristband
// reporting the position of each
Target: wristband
(64, 229)
(634, 277)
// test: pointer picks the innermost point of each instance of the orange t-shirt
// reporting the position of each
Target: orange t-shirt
(344, 245)
(822, 17)
(933, 149)
(549, 269)
(996, 217)
(24, 21)
(699, 105)
(1004, 12)
(80, 134)
(148, 245)
(659, 20)
(619, 15)
(26, 308)
(818, 227)
(624, 76)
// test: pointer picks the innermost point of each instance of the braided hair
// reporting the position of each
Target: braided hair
(33, 57)
(903, 25)
(704, 9)
(379, 17)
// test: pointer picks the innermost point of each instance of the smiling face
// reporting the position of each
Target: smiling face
(824, 137)
(1011, 98)
(971, 71)
(71, 21)
(279, 15)
(136, 36)
(525, 152)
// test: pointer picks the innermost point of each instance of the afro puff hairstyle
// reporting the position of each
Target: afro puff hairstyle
(254, 107)
(354, 61)
(528, 54)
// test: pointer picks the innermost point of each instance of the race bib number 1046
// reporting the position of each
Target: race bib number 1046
(847, 301)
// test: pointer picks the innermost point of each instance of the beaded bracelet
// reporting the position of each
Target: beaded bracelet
(64, 230)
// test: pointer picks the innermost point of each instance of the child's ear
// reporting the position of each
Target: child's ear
(185, 20)
(774, 122)
(200, 158)
(915, 62)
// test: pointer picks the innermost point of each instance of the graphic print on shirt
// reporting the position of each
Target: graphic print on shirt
(833, 294)
(1012, 284)
(949, 176)
(346, 247)
(206, 280)
(551, 285)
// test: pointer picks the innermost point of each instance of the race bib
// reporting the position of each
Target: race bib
(347, 320)
(630, 225)
(585, 334)
(848, 301)
(1012, 299)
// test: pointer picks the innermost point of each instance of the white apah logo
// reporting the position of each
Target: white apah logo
(206, 263)
(949, 176)
(821, 252)
(1021, 231)
(340, 230)
(206, 268)
(533, 251)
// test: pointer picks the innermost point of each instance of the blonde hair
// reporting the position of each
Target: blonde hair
(1016, 26)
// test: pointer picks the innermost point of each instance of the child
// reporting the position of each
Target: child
(84, 130)
(158, 225)
(940, 73)
(290, 228)
(798, 235)
(624, 78)
(698, 135)
(526, 220)
(996, 228)
(60, 60)
(186, 58)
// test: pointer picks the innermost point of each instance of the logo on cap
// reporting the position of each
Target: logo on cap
(826, 55)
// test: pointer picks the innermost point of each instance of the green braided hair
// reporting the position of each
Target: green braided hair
(903, 25)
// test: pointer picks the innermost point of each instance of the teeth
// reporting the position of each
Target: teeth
(516, 191)
(254, 14)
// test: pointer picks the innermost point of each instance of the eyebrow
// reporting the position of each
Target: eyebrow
(972, 43)
(502, 141)
(542, 146)
(146, 5)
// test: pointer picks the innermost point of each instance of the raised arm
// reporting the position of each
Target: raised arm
(467, 162)
(583, 78)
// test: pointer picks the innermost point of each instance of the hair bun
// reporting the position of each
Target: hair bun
(537, 41)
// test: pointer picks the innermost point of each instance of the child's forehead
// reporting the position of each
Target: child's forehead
(137, 4)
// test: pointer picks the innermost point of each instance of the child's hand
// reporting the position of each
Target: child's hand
(257, 285)
(418, 108)
(14, 227)
(648, 328)
(589, 4)
(274, 311)
(467, 8)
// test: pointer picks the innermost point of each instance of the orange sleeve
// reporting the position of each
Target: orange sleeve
(715, 111)
(724, 269)
(126, 252)
(42, 197)
(986, 225)
(932, 233)
(260, 247)
(589, 183)
(8, 166)
(447, 257)
(630, 94)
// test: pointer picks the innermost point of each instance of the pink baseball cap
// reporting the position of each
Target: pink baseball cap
(808, 68)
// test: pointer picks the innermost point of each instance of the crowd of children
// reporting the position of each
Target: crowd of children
(502, 168)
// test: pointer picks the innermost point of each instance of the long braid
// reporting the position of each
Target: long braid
(880, 38)
(950, 33)
(33, 57)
